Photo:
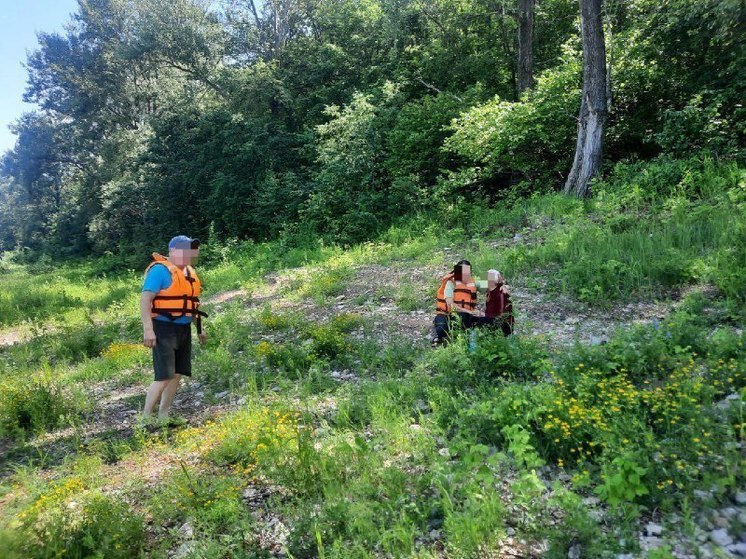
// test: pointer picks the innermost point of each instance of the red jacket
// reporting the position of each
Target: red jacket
(499, 305)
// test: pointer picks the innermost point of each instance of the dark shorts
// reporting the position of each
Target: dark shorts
(173, 350)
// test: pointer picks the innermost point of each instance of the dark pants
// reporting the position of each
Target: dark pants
(492, 322)
(444, 323)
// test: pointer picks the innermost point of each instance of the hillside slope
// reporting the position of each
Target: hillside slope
(321, 424)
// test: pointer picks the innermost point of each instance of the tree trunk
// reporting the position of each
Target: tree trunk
(589, 147)
(281, 24)
(525, 45)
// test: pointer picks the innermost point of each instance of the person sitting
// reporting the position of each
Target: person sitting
(456, 297)
(499, 308)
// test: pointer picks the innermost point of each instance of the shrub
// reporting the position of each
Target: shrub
(71, 521)
(349, 199)
(532, 138)
(35, 404)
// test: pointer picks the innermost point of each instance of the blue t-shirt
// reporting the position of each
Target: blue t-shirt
(157, 279)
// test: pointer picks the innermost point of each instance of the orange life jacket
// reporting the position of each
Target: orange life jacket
(464, 295)
(181, 298)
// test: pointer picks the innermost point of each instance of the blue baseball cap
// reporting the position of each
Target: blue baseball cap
(183, 242)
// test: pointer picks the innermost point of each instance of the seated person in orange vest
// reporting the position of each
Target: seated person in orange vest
(168, 304)
(499, 309)
(457, 296)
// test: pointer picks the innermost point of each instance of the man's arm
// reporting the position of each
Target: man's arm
(146, 304)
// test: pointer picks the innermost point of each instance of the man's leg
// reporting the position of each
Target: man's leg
(153, 396)
(167, 397)
(164, 357)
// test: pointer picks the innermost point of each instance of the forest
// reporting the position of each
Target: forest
(334, 119)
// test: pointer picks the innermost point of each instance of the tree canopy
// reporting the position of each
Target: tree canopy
(334, 118)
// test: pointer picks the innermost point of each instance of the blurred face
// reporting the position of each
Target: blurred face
(465, 271)
(493, 279)
(183, 257)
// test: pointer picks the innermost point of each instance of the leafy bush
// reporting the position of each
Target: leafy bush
(329, 341)
(36, 403)
(71, 521)
(532, 138)
(415, 141)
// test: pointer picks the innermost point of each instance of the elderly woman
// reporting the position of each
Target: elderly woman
(499, 308)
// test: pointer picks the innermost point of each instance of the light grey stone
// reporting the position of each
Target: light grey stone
(184, 550)
(728, 401)
(729, 512)
(576, 552)
(652, 529)
(721, 537)
(186, 530)
(740, 498)
(650, 542)
(738, 549)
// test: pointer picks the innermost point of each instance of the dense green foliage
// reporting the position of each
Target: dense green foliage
(338, 117)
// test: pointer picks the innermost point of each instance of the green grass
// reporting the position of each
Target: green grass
(406, 458)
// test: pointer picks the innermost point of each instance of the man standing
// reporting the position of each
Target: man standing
(168, 304)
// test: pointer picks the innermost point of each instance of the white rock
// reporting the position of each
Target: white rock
(653, 529)
(741, 498)
(730, 512)
(444, 452)
(650, 542)
(721, 537)
(186, 530)
(183, 550)
(728, 401)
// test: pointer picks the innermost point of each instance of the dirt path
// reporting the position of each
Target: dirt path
(11, 337)
(374, 290)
